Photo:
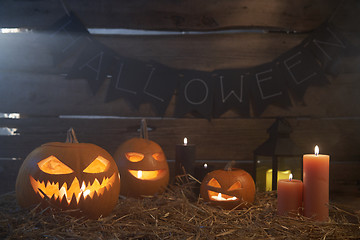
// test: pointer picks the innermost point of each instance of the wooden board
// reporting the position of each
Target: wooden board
(33, 87)
(219, 139)
(199, 52)
(52, 95)
(298, 15)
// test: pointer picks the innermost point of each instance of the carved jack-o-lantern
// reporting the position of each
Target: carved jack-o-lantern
(69, 175)
(233, 188)
(142, 165)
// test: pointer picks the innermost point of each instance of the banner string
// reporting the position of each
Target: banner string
(335, 12)
(65, 8)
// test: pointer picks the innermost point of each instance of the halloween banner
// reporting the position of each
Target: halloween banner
(203, 94)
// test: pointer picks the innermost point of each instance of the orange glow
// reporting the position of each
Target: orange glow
(220, 196)
(157, 156)
(52, 165)
(99, 165)
(235, 186)
(214, 183)
(134, 156)
(53, 190)
(145, 175)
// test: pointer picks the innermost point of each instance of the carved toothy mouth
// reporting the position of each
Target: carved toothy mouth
(52, 189)
(216, 196)
(146, 175)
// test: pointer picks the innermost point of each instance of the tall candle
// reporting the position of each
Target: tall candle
(185, 158)
(289, 196)
(316, 185)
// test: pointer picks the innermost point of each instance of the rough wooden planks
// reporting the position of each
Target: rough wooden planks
(27, 51)
(219, 139)
(139, 14)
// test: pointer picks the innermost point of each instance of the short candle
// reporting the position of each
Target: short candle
(289, 196)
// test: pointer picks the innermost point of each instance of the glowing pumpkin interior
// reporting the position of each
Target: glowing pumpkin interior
(76, 190)
(217, 195)
(142, 174)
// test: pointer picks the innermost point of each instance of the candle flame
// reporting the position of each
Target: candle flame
(221, 197)
(205, 165)
(139, 174)
(290, 176)
(316, 150)
(185, 141)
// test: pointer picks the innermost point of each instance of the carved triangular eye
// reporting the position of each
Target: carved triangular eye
(99, 165)
(214, 183)
(52, 165)
(158, 156)
(134, 156)
(235, 186)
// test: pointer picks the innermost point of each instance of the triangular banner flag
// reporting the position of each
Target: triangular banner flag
(160, 86)
(231, 91)
(328, 45)
(93, 64)
(65, 37)
(194, 93)
(267, 88)
(129, 77)
(299, 68)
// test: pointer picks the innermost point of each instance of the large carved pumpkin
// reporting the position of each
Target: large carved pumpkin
(228, 189)
(142, 165)
(69, 175)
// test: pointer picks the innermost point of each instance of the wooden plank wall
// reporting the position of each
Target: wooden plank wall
(32, 86)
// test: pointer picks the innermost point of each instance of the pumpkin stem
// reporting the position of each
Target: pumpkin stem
(228, 166)
(143, 129)
(71, 137)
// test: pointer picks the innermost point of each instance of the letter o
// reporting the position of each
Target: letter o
(206, 91)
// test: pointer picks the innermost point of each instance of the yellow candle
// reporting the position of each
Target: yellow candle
(281, 175)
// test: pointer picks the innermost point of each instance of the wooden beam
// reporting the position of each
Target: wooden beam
(198, 15)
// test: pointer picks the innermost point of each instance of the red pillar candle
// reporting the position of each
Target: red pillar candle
(316, 185)
(289, 196)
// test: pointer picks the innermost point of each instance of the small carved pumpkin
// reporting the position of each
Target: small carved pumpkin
(228, 189)
(69, 175)
(142, 165)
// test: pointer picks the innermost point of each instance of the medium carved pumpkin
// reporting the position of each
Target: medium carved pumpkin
(142, 165)
(69, 175)
(228, 189)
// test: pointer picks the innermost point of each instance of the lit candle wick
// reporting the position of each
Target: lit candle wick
(139, 174)
(316, 150)
(290, 176)
(185, 141)
(205, 165)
